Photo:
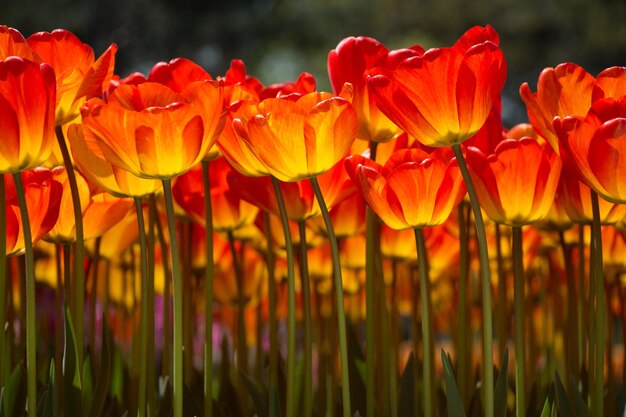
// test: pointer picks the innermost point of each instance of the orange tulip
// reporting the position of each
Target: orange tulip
(413, 189)
(92, 164)
(298, 195)
(349, 62)
(298, 136)
(78, 76)
(27, 97)
(516, 184)
(562, 91)
(100, 210)
(12, 43)
(230, 212)
(154, 132)
(444, 96)
(43, 198)
(574, 197)
(596, 145)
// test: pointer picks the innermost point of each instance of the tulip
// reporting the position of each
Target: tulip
(349, 62)
(413, 189)
(444, 96)
(78, 76)
(27, 97)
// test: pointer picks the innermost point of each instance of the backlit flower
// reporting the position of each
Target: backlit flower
(154, 132)
(27, 99)
(413, 189)
(349, 63)
(444, 96)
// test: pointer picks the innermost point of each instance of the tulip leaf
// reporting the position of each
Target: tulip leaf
(407, 387)
(548, 405)
(580, 408)
(72, 389)
(565, 408)
(455, 405)
(47, 406)
(104, 375)
(501, 387)
(258, 395)
(87, 383)
(356, 370)
(14, 393)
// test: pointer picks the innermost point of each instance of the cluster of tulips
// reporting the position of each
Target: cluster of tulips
(177, 244)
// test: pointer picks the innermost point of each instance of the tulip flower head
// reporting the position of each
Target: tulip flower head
(444, 96)
(413, 189)
(154, 132)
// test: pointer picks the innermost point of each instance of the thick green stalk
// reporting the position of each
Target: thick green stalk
(520, 325)
(582, 338)
(151, 372)
(488, 386)
(307, 375)
(79, 252)
(242, 344)
(177, 351)
(428, 371)
(291, 304)
(501, 301)
(143, 325)
(341, 317)
(573, 362)
(166, 367)
(370, 303)
(464, 342)
(598, 277)
(31, 324)
(208, 292)
(3, 271)
(273, 371)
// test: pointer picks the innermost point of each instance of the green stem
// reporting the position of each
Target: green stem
(501, 301)
(308, 341)
(166, 367)
(427, 331)
(341, 317)
(242, 344)
(208, 292)
(464, 324)
(177, 351)
(598, 276)
(488, 387)
(291, 304)
(370, 303)
(150, 372)
(31, 324)
(573, 349)
(93, 297)
(370, 306)
(520, 325)
(583, 316)
(79, 251)
(58, 333)
(143, 325)
(3, 272)
(273, 377)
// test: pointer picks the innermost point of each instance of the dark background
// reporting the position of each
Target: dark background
(278, 39)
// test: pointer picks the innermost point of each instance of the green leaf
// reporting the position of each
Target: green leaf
(565, 408)
(580, 408)
(259, 397)
(87, 383)
(455, 405)
(48, 404)
(405, 397)
(501, 387)
(104, 376)
(356, 371)
(548, 406)
(14, 393)
(72, 389)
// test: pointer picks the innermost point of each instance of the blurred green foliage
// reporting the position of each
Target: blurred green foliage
(278, 39)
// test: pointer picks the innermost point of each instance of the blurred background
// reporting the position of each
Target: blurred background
(279, 39)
